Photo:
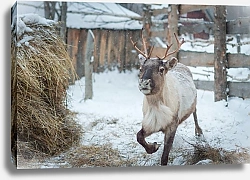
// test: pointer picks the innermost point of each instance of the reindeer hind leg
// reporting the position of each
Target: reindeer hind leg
(198, 130)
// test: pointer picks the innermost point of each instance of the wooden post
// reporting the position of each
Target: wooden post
(147, 23)
(238, 43)
(50, 9)
(220, 58)
(173, 17)
(89, 58)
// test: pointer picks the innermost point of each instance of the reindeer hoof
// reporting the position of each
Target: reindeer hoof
(153, 147)
(157, 145)
(198, 131)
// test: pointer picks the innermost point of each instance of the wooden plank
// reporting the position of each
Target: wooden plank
(110, 50)
(204, 59)
(204, 85)
(116, 59)
(114, 50)
(238, 60)
(128, 47)
(106, 46)
(103, 41)
(189, 8)
(236, 89)
(72, 41)
(121, 51)
(239, 26)
(189, 58)
(160, 11)
(239, 89)
(81, 52)
(192, 28)
(96, 50)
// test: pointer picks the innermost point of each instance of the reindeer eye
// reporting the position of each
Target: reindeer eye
(161, 69)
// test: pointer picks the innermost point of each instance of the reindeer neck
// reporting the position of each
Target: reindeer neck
(155, 99)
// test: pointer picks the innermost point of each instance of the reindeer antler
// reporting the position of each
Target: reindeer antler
(147, 56)
(145, 53)
(179, 43)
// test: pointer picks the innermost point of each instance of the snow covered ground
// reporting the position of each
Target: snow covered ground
(114, 116)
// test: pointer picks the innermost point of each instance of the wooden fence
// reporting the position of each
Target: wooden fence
(238, 27)
(112, 49)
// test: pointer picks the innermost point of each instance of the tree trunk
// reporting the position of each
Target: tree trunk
(49, 9)
(173, 17)
(89, 65)
(63, 21)
(220, 59)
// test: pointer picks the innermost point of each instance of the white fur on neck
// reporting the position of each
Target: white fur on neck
(157, 118)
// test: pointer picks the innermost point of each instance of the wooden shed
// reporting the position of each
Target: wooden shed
(112, 49)
(112, 26)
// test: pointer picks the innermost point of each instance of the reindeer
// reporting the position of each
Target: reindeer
(170, 97)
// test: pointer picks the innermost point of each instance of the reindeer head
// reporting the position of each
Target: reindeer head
(153, 70)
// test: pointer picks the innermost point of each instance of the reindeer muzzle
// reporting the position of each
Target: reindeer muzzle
(145, 86)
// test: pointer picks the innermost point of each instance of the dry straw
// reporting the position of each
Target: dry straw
(97, 156)
(40, 74)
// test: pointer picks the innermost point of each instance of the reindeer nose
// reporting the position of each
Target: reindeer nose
(147, 82)
(144, 83)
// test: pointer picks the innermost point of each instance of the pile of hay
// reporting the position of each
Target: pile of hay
(40, 74)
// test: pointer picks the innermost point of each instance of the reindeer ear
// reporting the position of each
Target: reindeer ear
(170, 64)
(142, 59)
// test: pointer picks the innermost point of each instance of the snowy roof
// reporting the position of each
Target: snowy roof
(89, 15)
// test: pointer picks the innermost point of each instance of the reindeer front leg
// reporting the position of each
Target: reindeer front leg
(150, 148)
(168, 142)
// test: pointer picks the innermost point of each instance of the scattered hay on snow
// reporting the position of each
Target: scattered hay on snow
(218, 156)
(202, 153)
(83, 156)
(40, 74)
(97, 156)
